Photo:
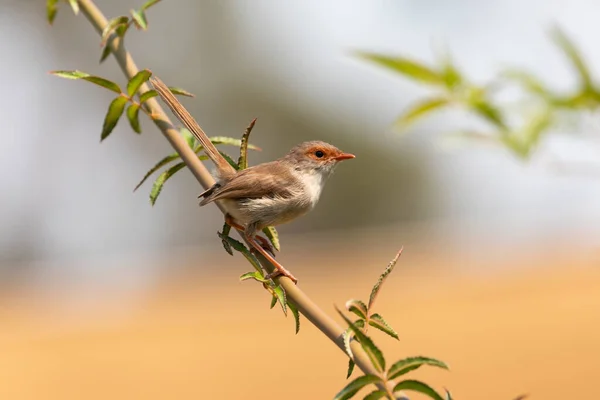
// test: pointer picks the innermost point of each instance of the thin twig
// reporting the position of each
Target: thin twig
(305, 305)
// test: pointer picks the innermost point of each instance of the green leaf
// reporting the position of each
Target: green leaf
(111, 25)
(189, 138)
(149, 4)
(159, 165)
(181, 92)
(452, 77)
(281, 297)
(228, 159)
(376, 395)
(296, 315)
(115, 110)
(351, 365)
(148, 95)
(132, 115)
(105, 53)
(574, 56)
(418, 386)
(74, 6)
(377, 321)
(357, 307)
(353, 387)
(239, 246)
(409, 68)
(231, 141)
(382, 277)
(226, 229)
(419, 109)
(411, 363)
(257, 276)
(529, 81)
(51, 10)
(160, 181)
(273, 302)
(273, 237)
(139, 19)
(243, 160)
(535, 127)
(90, 78)
(137, 80)
(375, 355)
(489, 112)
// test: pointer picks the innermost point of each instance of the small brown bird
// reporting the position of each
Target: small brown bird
(267, 194)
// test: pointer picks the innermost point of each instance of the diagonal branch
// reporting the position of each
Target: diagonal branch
(305, 305)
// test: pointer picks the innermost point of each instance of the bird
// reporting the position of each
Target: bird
(267, 194)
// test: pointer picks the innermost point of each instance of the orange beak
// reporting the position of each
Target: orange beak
(344, 156)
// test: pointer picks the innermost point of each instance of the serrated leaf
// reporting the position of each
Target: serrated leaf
(273, 302)
(418, 386)
(377, 321)
(137, 80)
(74, 6)
(252, 275)
(382, 277)
(181, 92)
(149, 4)
(159, 165)
(376, 395)
(296, 315)
(243, 159)
(409, 68)
(574, 56)
(90, 78)
(148, 95)
(225, 232)
(351, 365)
(121, 29)
(239, 246)
(411, 363)
(353, 387)
(51, 10)
(105, 53)
(271, 234)
(139, 19)
(281, 297)
(357, 307)
(419, 109)
(132, 115)
(375, 355)
(111, 25)
(160, 181)
(228, 159)
(232, 142)
(115, 110)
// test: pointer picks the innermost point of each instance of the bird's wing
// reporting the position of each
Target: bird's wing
(263, 180)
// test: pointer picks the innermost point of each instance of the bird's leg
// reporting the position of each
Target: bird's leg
(263, 242)
(279, 269)
(251, 238)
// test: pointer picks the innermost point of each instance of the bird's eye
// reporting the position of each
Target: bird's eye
(319, 154)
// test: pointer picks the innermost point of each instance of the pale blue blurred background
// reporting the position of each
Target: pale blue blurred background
(69, 217)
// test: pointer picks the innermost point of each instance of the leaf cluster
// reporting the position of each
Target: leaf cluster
(519, 129)
(357, 330)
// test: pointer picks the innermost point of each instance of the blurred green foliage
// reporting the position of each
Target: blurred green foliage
(520, 130)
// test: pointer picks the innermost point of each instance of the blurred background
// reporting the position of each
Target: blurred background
(103, 295)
